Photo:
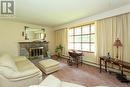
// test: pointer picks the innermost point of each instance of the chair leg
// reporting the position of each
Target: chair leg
(81, 62)
(77, 62)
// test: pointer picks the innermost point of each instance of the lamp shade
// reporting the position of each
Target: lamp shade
(117, 42)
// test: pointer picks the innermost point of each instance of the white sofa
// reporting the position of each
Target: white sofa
(18, 72)
(52, 81)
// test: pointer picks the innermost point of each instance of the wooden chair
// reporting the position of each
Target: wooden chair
(75, 58)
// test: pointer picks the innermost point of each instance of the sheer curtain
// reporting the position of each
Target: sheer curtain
(61, 37)
(108, 30)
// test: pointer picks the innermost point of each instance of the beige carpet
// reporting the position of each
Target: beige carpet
(86, 75)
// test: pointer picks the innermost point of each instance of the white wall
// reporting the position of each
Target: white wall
(51, 38)
(11, 34)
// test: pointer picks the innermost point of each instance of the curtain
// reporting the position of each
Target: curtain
(108, 30)
(61, 37)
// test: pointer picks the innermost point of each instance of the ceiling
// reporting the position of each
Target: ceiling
(57, 12)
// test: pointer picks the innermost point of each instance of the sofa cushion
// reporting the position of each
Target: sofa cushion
(25, 65)
(37, 86)
(67, 84)
(48, 63)
(7, 61)
(19, 58)
(51, 81)
(50, 69)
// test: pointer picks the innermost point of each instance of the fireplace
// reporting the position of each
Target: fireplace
(33, 49)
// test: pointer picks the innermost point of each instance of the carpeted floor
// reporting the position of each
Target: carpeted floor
(86, 75)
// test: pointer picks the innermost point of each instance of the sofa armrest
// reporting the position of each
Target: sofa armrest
(19, 58)
(15, 76)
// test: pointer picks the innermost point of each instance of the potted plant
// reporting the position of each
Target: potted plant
(59, 50)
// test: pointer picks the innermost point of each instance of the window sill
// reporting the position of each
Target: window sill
(88, 52)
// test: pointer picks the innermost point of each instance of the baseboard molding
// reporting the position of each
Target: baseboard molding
(98, 66)
(103, 67)
(90, 63)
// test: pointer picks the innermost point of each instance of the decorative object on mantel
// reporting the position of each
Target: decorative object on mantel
(118, 44)
(25, 34)
(44, 36)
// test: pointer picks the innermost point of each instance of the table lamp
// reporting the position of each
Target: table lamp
(118, 44)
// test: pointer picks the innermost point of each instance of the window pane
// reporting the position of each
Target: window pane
(70, 39)
(71, 32)
(77, 38)
(93, 38)
(70, 46)
(93, 47)
(86, 29)
(77, 46)
(93, 28)
(85, 38)
(82, 37)
(85, 47)
(78, 31)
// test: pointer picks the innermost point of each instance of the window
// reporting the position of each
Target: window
(82, 38)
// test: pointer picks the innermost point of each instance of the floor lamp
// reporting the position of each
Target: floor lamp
(118, 44)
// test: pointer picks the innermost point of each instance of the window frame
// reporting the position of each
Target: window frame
(81, 42)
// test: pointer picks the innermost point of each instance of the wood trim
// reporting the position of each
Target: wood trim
(81, 35)
(82, 25)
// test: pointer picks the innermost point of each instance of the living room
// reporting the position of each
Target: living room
(85, 42)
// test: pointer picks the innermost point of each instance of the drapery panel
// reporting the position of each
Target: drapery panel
(108, 30)
(61, 37)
